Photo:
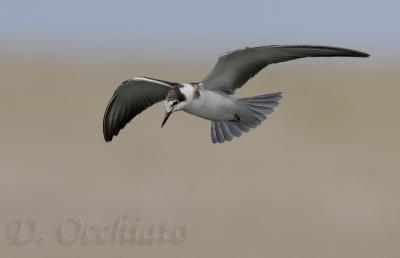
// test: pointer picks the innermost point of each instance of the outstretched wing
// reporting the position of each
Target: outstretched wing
(235, 68)
(131, 98)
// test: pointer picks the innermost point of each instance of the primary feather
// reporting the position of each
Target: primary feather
(235, 68)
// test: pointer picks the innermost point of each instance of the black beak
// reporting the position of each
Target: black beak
(167, 114)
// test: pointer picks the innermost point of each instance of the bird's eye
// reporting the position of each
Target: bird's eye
(174, 103)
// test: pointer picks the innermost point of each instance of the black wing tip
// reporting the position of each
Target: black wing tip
(108, 138)
(363, 54)
(106, 132)
(355, 53)
(345, 51)
(107, 135)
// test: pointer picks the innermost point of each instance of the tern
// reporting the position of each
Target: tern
(212, 98)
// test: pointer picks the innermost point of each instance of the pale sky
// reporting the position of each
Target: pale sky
(99, 25)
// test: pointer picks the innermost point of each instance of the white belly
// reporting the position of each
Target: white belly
(212, 106)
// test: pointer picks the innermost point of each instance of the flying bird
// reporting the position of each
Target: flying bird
(212, 98)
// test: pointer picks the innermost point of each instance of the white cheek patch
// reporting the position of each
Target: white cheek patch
(188, 90)
(179, 106)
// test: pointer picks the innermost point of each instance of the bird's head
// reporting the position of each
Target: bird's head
(176, 100)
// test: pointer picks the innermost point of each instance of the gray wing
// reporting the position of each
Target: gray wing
(131, 98)
(235, 68)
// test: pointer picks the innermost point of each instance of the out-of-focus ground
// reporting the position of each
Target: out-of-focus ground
(320, 178)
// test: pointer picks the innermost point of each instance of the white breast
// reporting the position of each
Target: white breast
(212, 106)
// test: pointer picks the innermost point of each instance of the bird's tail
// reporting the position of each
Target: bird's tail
(253, 111)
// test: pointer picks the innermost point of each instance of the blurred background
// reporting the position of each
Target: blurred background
(318, 179)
